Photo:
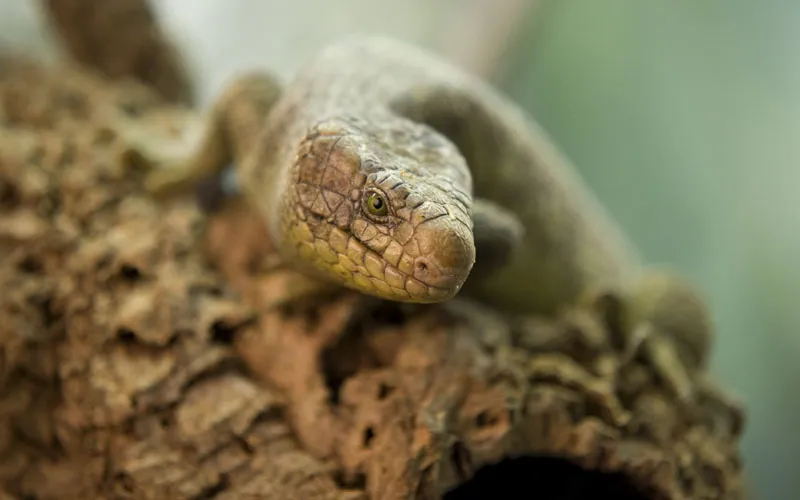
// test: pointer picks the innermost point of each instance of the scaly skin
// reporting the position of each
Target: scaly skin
(370, 115)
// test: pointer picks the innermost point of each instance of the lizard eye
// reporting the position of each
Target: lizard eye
(376, 204)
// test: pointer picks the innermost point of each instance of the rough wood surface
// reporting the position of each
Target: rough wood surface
(145, 352)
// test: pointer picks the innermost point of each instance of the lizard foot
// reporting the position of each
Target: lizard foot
(663, 320)
(660, 352)
(171, 163)
(677, 328)
(167, 165)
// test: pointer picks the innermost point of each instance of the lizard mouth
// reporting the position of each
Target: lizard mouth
(436, 276)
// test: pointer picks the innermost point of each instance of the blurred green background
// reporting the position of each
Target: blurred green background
(683, 115)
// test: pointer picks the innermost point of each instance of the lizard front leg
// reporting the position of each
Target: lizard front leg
(226, 134)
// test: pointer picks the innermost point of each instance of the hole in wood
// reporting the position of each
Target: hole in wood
(543, 478)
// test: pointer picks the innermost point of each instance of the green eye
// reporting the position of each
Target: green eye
(376, 204)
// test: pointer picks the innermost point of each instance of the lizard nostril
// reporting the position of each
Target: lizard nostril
(423, 270)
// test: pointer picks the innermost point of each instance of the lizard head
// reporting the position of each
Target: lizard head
(390, 221)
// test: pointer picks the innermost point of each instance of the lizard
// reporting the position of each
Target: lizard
(383, 168)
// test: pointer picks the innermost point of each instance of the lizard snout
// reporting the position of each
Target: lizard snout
(447, 255)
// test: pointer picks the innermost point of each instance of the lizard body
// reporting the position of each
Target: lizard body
(384, 169)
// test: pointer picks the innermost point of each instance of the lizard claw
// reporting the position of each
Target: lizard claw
(660, 353)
